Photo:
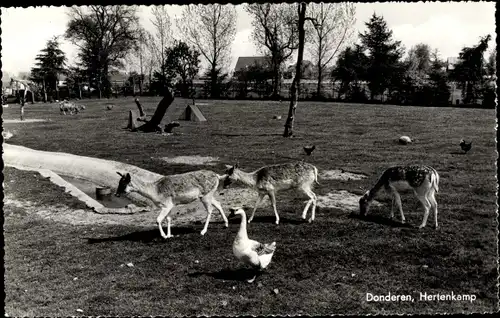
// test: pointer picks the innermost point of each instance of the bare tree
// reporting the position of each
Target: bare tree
(295, 89)
(332, 30)
(104, 36)
(275, 31)
(161, 37)
(150, 61)
(211, 29)
(137, 59)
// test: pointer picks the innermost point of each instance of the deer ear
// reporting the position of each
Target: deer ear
(121, 175)
(228, 166)
(127, 177)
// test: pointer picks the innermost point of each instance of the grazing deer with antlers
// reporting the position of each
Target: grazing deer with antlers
(176, 189)
(424, 181)
(270, 179)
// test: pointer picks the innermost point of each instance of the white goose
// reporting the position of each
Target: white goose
(248, 251)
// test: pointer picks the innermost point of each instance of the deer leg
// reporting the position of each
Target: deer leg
(165, 210)
(218, 206)
(259, 198)
(397, 200)
(433, 202)
(426, 204)
(315, 199)
(207, 202)
(273, 200)
(312, 200)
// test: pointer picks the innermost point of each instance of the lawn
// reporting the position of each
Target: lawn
(326, 267)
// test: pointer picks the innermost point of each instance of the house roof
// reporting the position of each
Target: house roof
(246, 61)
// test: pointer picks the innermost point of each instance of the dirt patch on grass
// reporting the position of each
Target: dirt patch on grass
(16, 121)
(340, 175)
(192, 160)
(181, 215)
(342, 199)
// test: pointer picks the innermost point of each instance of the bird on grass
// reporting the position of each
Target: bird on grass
(309, 149)
(465, 146)
(250, 252)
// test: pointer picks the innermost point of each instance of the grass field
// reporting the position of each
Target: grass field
(326, 267)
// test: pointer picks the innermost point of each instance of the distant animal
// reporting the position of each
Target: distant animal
(276, 117)
(250, 252)
(176, 189)
(170, 126)
(109, 107)
(270, 179)
(465, 146)
(70, 107)
(404, 140)
(424, 181)
(309, 149)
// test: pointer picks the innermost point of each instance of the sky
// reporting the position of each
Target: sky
(446, 26)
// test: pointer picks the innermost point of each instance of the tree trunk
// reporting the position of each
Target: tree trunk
(213, 83)
(295, 89)
(161, 109)
(79, 90)
(99, 90)
(276, 79)
(44, 92)
(57, 89)
(320, 79)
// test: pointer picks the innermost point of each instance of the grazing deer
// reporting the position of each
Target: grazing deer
(176, 189)
(71, 108)
(270, 179)
(424, 181)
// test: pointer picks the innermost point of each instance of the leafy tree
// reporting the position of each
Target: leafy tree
(489, 90)
(491, 64)
(275, 32)
(438, 81)
(51, 63)
(104, 36)
(351, 68)
(383, 55)
(76, 77)
(211, 29)
(332, 30)
(183, 62)
(469, 72)
(309, 70)
(255, 76)
(418, 63)
(134, 79)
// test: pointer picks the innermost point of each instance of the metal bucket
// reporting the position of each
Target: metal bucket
(103, 193)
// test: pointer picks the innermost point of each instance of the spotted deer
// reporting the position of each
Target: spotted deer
(423, 180)
(176, 189)
(270, 179)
